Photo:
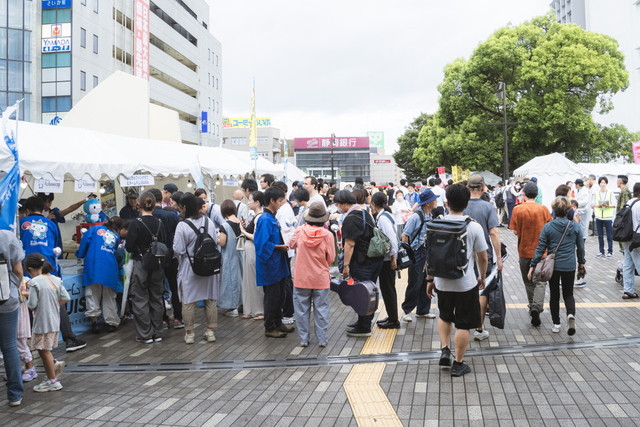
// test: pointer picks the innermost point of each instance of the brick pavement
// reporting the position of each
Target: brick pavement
(594, 386)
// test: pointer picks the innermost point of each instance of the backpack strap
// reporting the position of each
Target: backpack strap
(423, 219)
(386, 214)
(154, 237)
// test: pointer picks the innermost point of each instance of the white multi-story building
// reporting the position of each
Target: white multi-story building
(619, 19)
(79, 43)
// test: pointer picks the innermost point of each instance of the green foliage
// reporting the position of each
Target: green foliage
(556, 75)
(408, 143)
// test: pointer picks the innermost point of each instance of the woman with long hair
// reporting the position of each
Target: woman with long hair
(193, 288)
(252, 294)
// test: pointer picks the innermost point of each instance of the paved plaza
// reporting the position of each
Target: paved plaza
(521, 375)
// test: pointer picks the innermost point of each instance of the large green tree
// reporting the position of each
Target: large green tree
(408, 142)
(556, 75)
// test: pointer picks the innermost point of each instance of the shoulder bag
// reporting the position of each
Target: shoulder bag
(544, 269)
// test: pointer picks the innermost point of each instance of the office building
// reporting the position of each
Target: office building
(351, 157)
(384, 169)
(69, 46)
(16, 54)
(235, 136)
(619, 19)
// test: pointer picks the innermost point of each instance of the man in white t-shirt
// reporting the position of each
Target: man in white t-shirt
(310, 184)
(435, 184)
(458, 300)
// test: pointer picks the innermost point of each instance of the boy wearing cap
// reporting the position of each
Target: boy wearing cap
(415, 233)
(315, 252)
(167, 191)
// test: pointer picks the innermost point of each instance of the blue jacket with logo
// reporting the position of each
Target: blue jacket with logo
(272, 265)
(41, 235)
(98, 248)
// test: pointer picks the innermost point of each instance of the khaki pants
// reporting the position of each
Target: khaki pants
(535, 290)
(102, 296)
(189, 314)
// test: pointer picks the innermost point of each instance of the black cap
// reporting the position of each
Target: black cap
(170, 187)
(579, 182)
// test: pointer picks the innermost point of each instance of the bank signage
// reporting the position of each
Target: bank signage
(324, 143)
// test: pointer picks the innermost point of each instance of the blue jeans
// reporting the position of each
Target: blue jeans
(8, 344)
(630, 264)
(600, 225)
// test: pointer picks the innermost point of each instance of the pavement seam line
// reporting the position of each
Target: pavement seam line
(369, 403)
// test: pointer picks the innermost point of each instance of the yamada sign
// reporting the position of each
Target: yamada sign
(61, 44)
(324, 143)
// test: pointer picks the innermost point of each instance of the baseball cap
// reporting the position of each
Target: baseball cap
(530, 190)
(579, 182)
(475, 181)
(170, 187)
(533, 179)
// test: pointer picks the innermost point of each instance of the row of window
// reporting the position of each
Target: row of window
(212, 81)
(83, 40)
(10, 98)
(14, 76)
(212, 57)
(15, 14)
(83, 80)
(214, 105)
(172, 23)
(15, 44)
(56, 103)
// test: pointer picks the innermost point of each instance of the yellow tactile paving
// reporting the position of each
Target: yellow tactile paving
(368, 401)
(589, 305)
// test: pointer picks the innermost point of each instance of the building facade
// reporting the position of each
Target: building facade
(619, 19)
(384, 169)
(351, 157)
(16, 55)
(235, 136)
(67, 47)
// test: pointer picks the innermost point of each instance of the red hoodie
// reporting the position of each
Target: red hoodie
(315, 252)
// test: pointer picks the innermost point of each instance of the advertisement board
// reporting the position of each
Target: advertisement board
(245, 122)
(141, 39)
(56, 30)
(376, 139)
(55, 4)
(60, 44)
(324, 143)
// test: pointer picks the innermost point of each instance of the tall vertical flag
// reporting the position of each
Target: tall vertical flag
(253, 129)
(10, 183)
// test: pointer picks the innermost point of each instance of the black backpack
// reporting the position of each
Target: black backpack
(499, 199)
(623, 224)
(406, 257)
(207, 259)
(156, 256)
(447, 248)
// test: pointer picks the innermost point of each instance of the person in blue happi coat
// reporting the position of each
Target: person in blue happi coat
(101, 278)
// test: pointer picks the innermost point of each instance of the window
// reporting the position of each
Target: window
(54, 16)
(83, 37)
(95, 44)
(95, 6)
(56, 103)
(60, 59)
(83, 80)
(95, 81)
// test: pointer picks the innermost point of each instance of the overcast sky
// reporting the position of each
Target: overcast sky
(349, 66)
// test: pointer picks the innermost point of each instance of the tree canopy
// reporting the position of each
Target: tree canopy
(556, 75)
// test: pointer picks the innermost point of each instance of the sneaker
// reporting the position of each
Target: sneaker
(600, 255)
(322, 344)
(480, 336)
(144, 340)
(189, 338)
(157, 339)
(95, 328)
(112, 328)
(445, 357)
(288, 320)
(274, 334)
(580, 285)
(58, 367)
(231, 313)
(459, 369)
(15, 403)
(304, 343)
(406, 317)
(352, 325)
(29, 375)
(426, 316)
(48, 385)
(178, 324)
(555, 329)
(609, 255)
(74, 344)
(535, 317)
(571, 325)
(356, 332)
(209, 336)
(284, 328)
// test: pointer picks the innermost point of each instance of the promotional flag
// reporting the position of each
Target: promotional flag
(10, 183)
(636, 152)
(253, 127)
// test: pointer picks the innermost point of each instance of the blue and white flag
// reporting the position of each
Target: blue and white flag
(10, 183)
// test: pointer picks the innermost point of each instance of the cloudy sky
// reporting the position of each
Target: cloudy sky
(349, 66)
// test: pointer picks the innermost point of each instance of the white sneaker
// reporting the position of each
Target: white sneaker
(189, 338)
(571, 325)
(288, 320)
(231, 313)
(209, 336)
(406, 317)
(555, 329)
(426, 316)
(48, 385)
(480, 336)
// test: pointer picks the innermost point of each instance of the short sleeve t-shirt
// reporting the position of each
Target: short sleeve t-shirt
(485, 215)
(476, 241)
(354, 229)
(527, 220)
(416, 238)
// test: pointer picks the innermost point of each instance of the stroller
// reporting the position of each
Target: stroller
(619, 273)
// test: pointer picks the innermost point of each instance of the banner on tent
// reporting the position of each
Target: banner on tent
(230, 182)
(137, 181)
(85, 185)
(49, 185)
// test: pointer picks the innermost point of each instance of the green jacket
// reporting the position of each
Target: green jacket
(623, 198)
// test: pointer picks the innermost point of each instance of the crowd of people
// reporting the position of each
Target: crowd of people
(271, 250)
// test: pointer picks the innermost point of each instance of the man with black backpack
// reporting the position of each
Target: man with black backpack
(414, 233)
(455, 278)
(631, 262)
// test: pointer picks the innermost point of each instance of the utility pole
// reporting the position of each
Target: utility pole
(333, 140)
(502, 94)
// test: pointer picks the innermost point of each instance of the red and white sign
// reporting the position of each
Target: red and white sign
(56, 30)
(324, 143)
(141, 39)
(382, 161)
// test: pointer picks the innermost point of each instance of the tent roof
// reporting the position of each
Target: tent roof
(614, 169)
(490, 178)
(551, 164)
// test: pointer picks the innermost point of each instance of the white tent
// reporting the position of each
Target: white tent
(551, 170)
(612, 170)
